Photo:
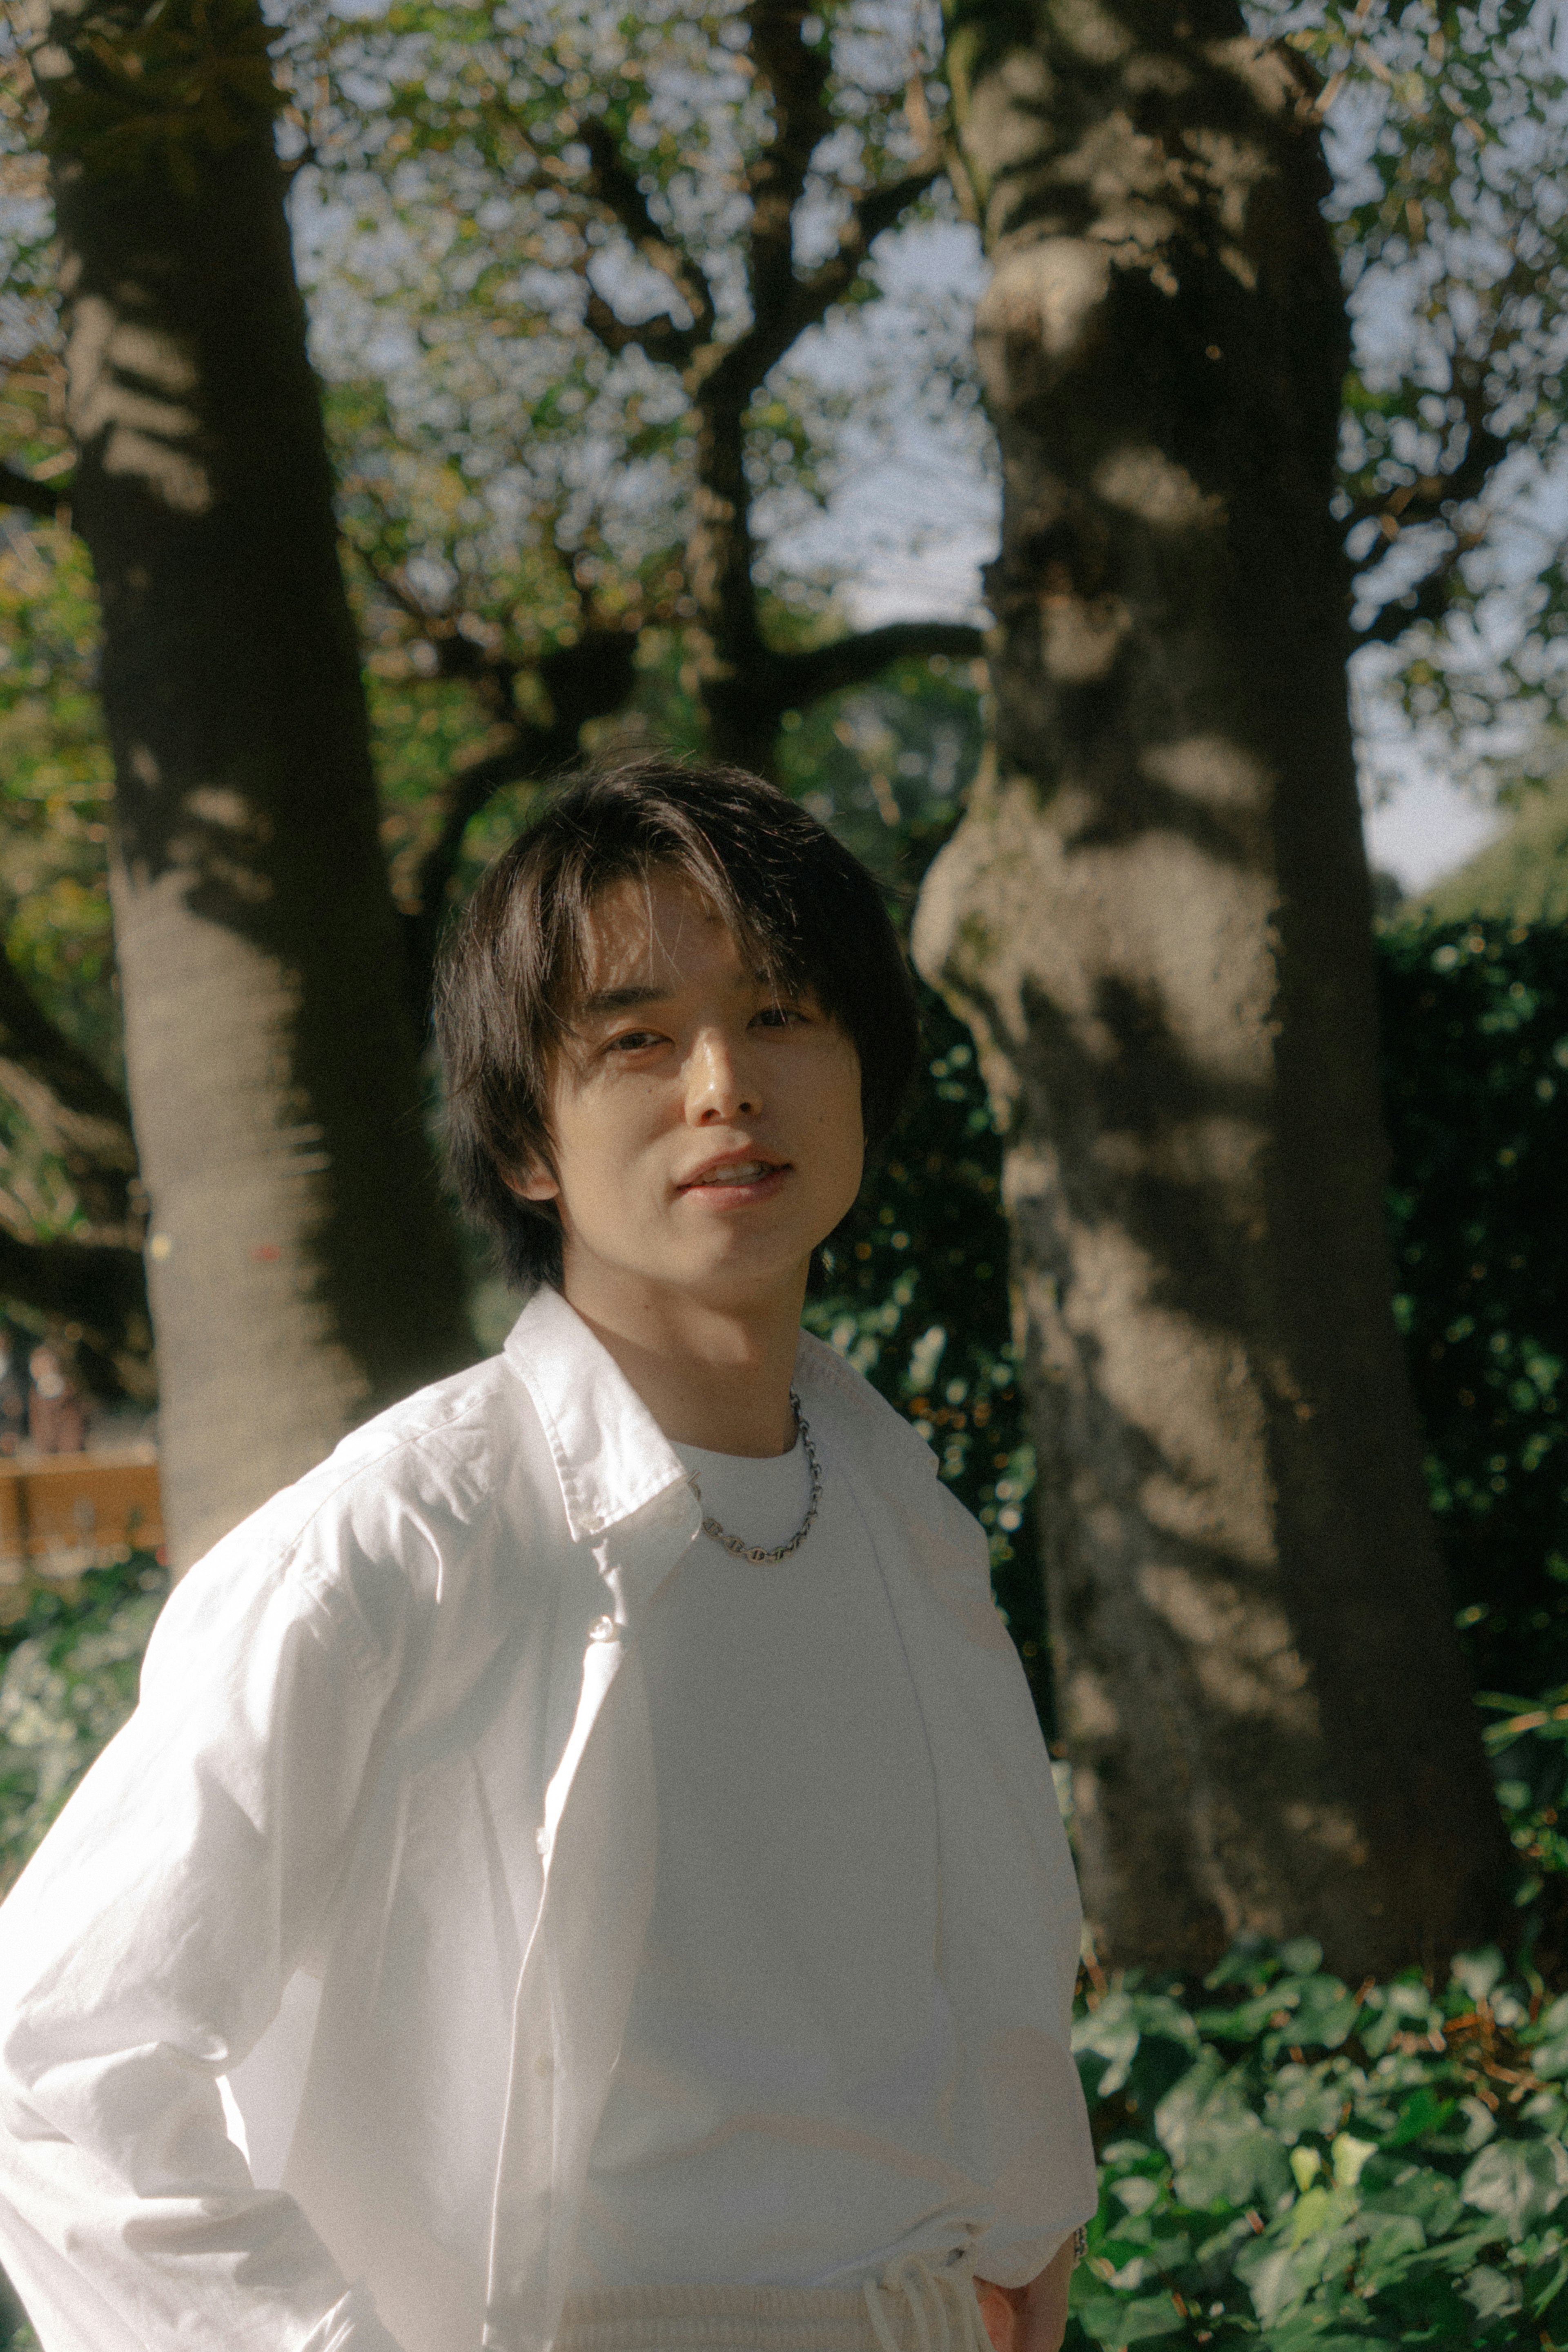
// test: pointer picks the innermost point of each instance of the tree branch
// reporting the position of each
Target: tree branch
(807, 299)
(794, 73)
(1430, 496)
(473, 786)
(74, 1112)
(802, 678)
(878, 209)
(457, 655)
(659, 336)
(590, 679)
(723, 555)
(71, 1106)
(1428, 601)
(616, 188)
(34, 498)
(28, 1037)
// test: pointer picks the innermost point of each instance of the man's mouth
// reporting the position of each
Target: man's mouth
(734, 1172)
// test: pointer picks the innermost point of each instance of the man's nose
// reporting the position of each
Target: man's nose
(720, 1083)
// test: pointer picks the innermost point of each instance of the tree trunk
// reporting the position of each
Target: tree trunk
(301, 1267)
(738, 691)
(1156, 916)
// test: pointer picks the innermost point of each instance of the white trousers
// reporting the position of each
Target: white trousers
(913, 2307)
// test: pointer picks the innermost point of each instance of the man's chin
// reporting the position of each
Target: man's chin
(730, 1274)
(740, 1279)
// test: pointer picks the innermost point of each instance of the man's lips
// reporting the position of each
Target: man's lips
(734, 1172)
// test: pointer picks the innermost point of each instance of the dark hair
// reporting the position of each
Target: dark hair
(792, 896)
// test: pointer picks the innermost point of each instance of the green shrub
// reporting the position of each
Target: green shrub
(1475, 1030)
(69, 1669)
(1288, 2162)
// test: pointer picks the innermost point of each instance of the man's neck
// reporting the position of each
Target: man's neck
(712, 1377)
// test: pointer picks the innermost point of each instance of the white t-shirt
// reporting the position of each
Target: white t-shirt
(777, 2116)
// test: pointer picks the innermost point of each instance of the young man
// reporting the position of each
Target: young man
(592, 1833)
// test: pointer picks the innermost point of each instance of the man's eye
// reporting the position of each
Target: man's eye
(779, 1016)
(632, 1041)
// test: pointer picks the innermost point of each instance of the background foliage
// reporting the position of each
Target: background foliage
(1290, 2162)
(1475, 1024)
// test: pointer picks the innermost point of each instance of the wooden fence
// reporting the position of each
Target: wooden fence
(61, 1513)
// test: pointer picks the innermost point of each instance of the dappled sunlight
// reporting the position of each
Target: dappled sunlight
(1090, 31)
(1151, 486)
(1207, 974)
(1080, 638)
(1241, 1644)
(1330, 1828)
(1208, 768)
(1088, 1709)
(1188, 1391)
(1041, 299)
(125, 382)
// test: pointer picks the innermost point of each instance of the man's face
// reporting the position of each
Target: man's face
(707, 1132)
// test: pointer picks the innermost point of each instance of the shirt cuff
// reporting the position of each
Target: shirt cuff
(352, 2325)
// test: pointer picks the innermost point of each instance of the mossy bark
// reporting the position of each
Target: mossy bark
(301, 1267)
(1156, 916)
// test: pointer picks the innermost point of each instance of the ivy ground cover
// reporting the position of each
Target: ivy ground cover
(1290, 2162)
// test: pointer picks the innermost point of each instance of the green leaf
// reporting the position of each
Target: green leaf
(1301, 2099)
(1427, 2197)
(1223, 2153)
(1491, 2295)
(1114, 2029)
(1112, 2321)
(1479, 1972)
(1325, 2014)
(1316, 2331)
(1278, 2277)
(1421, 2116)
(1518, 2180)
(1320, 2210)
(1389, 2251)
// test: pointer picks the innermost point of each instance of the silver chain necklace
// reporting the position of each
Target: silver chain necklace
(753, 1552)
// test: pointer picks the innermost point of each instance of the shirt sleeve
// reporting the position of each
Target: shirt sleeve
(1019, 2261)
(144, 1952)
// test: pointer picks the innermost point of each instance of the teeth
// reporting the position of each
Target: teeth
(746, 1171)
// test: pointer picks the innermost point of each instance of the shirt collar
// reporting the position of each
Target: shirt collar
(611, 1456)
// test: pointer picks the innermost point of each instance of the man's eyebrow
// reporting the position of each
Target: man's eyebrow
(620, 1000)
(604, 1001)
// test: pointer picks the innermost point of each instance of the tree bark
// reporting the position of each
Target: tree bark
(301, 1267)
(1156, 916)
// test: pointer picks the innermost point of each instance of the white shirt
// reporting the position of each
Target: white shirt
(378, 1846)
(778, 2115)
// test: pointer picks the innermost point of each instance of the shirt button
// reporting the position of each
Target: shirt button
(541, 1839)
(603, 1630)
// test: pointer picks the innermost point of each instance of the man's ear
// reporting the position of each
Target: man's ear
(534, 1183)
